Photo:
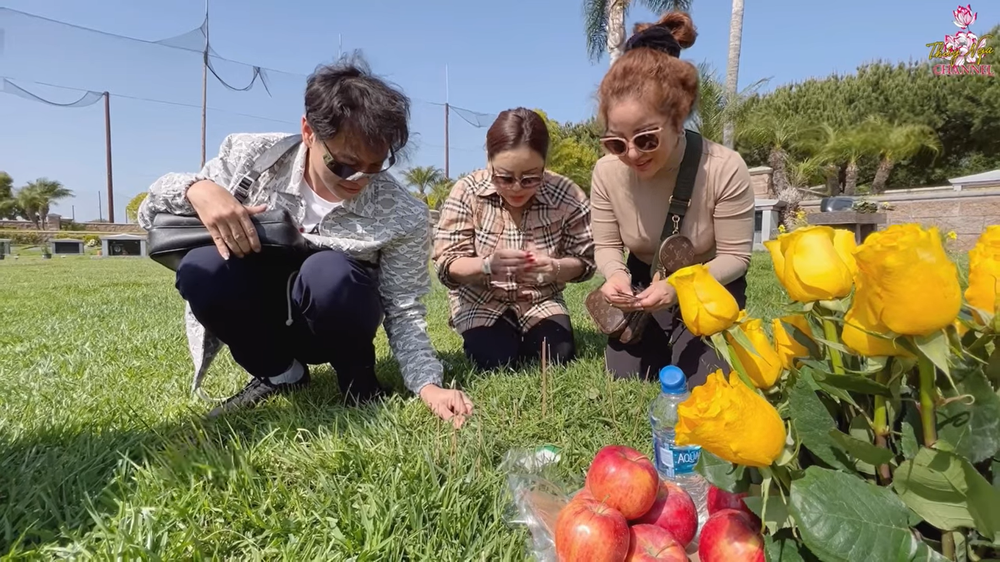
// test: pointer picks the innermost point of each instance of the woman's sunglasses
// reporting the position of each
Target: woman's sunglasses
(646, 141)
(507, 181)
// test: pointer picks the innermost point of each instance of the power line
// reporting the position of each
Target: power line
(88, 94)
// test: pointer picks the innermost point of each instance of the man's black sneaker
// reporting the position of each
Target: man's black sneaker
(258, 390)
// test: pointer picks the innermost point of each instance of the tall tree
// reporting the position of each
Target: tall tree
(132, 209)
(422, 178)
(574, 149)
(733, 66)
(605, 23)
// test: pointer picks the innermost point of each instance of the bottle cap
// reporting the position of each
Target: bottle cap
(672, 380)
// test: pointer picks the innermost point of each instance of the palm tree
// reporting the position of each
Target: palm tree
(847, 146)
(605, 23)
(715, 108)
(733, 66)
(35, 199)
(440, 190)
(422, 178)
(8, 205)
(780, 134)
(897, 142)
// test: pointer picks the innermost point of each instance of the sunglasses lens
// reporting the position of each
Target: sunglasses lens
(615, 146)
(531, 183)
(647, 142)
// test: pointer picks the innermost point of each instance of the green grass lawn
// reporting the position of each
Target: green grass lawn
(104, 454)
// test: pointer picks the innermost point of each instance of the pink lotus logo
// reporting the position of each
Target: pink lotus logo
(964, 50)
(964, 16)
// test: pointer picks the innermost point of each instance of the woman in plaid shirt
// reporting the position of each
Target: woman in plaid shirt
(509, 239)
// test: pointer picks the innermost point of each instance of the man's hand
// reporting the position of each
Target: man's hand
(227, 221)
(447, 404)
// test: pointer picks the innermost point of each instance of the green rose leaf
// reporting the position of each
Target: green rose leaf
(813, 424)
(947, 491)
(723, 474)
(842, 518)
(776, 517)
(973, 429)
(861, 450)
(783, 547)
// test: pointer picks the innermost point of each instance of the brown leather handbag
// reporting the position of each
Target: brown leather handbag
(675, 252)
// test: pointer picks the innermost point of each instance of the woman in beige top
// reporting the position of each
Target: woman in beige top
(645, 98)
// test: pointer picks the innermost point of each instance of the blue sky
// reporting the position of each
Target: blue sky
(499, 55)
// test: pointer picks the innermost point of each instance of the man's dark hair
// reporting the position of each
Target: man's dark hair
(346, 96)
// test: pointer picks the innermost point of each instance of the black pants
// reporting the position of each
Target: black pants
(666, 341)
(331, 299)
(489, 347)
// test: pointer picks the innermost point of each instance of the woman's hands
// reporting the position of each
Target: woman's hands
(510, 262)
(618, 291)
(447, 404)
(227, 221)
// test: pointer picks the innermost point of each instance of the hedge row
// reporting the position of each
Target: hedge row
(37, 238)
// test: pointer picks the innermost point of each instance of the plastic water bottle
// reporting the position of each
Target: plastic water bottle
(676, 463)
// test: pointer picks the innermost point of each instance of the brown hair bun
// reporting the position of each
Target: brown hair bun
(680, 25)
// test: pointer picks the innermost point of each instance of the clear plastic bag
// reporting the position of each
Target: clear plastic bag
(538, 490)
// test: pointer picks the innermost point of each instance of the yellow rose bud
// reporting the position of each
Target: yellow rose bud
(707, 307)
(785, 344)
(762, 365)
(984, 272)
(914, 289)
(809, 265)
(731, 421)
(862, 328)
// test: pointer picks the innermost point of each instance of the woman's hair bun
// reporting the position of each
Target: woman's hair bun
(679, 24)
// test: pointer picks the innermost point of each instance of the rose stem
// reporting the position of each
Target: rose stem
(881, 422)
(830, 331)
(927, 372)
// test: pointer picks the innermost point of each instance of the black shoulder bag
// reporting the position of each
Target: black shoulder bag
(675, 252)
(171, 237)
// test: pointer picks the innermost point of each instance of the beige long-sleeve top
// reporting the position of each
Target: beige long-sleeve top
(628, 213)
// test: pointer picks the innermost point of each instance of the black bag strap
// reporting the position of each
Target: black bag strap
(262, 163)
(680, 200)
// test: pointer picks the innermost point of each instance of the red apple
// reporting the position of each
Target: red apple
(673, 510)
(649, 543)
(719, 499)
(591, 530)
(624, 479)
(582, 494)
(730, 535)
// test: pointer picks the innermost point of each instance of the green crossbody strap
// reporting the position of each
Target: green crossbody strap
(683, 188)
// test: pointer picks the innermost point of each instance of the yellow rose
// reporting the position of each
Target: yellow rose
(914, 288)
(762, 365)
(731, 421)
(861, 323)
(785, 344)
(707, 307)
(845, 244)
(811, 264)
(984, 272)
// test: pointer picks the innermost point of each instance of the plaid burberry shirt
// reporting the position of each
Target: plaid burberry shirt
(474, 223)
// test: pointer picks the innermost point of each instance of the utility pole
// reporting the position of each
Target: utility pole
(446, 111)
(107, 149)
(100, 208)
(204, 89)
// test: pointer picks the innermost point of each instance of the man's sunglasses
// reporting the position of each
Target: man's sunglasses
(646, 141)
(348, 173)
